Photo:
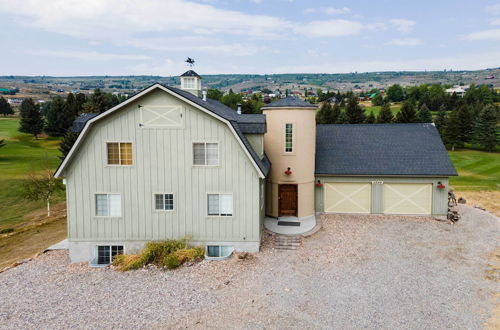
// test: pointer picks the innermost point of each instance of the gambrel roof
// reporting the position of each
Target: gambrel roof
(381, 149)
(212, 107)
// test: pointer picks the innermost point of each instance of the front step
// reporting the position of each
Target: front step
(284, 242)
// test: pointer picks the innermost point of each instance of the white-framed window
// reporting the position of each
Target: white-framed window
(205, 153)
(106, 253)
(108, 205)
(189, 83)
(289, 137)
(220, 205)
(164, 202)
(119, 153)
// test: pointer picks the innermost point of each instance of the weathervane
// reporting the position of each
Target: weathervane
(190, 62)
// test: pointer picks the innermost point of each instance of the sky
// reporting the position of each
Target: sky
(154, 37)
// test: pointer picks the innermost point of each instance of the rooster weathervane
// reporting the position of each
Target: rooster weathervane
(190, 62)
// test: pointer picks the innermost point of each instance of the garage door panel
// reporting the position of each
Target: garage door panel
(348, 197)
(407, 198)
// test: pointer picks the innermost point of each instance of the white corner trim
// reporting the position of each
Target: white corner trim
(135, 97)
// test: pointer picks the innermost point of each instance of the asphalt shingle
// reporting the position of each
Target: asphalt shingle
(289, 102)
(381, 149)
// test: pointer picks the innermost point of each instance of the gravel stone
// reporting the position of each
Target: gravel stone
(390, 272)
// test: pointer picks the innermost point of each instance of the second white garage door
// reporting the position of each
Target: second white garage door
(407, 198)
(348, 197)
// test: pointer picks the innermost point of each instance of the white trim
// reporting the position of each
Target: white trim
(151, 108)
(174, 202)
(135, 97)
(205, 143)
(220, 216)
(94, 215)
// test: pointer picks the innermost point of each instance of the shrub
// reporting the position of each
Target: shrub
(170, 254)
(6, 230)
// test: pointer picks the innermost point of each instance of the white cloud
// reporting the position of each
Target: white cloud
(495, 22)
(327, 10)
(493, 35)
(405, 42)
(460, 62)
(194, 44)
(330, 28)
(113, 19)
(88, 55)
(402, 25)
(335, 11)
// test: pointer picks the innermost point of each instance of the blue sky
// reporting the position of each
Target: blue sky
(132, 37)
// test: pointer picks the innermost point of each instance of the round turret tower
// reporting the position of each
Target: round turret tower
(290, 144)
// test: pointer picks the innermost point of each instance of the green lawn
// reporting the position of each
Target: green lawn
(21, 155)
(376, 109)
(478, 170)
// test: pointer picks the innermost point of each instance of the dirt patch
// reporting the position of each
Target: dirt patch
(493, 274)
(488, 200)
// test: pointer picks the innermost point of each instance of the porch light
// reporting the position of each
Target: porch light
(288, 171)
(440, 185)
(319, 184)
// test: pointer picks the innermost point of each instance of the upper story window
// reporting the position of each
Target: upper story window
(108, 205)
(189, 83)
(164, 202)
(206, 154)
(289, 137)
(220, 205)
(119, 153)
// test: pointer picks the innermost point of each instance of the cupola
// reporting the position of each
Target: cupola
(191, 82)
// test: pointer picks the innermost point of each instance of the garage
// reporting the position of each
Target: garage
(348, 197)
(407, 198)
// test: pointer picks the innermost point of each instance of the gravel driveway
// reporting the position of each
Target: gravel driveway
(357, 272)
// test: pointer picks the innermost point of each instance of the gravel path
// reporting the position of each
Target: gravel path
(357, 272)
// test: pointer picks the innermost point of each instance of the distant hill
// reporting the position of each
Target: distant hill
(44, 86)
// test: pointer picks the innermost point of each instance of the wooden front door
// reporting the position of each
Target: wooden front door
(287, 200)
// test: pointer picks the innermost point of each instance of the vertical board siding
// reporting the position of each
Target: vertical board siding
(439, 196)
(162, 163)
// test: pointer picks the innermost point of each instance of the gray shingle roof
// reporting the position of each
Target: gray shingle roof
(190, 73)
(252, 123)
(81, 120)
(381, 149)
(289, 101)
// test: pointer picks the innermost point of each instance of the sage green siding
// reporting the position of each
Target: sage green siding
(257, 142)
(162, 163)
(439, 196)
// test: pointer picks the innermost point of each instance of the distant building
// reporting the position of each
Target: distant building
(459, 90)
(14, 101)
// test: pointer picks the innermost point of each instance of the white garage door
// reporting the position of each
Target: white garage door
(351, 197)
(407, 198)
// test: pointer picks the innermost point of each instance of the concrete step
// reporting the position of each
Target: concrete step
(285, 247)
(283, 242)
(286, 244)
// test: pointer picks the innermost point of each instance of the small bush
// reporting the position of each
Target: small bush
(171, 261)
(170, 254)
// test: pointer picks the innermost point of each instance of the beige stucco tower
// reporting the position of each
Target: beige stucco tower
(290, 144)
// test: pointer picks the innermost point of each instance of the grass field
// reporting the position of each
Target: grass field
(376, 109)
(21, 155)
(478, 170)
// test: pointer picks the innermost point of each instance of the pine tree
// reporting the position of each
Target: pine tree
(98, 103)
(385, 115)
(67, 142)
(485, 131)
(31, 118)
(322, 113)
(343, 119)
(440, 121)
(466, 123)
(424, 114)
(335, 114)
(407, 114)
(5, 108)
(58, 118)
(370, 119)
(355, 114)
(453, 131)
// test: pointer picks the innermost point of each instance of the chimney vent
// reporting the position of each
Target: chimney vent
(204, 93)
(239, 109)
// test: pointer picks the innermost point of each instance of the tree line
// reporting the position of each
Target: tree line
(56, 116)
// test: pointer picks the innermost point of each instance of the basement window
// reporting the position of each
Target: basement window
(106, 254)
(218, 252)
